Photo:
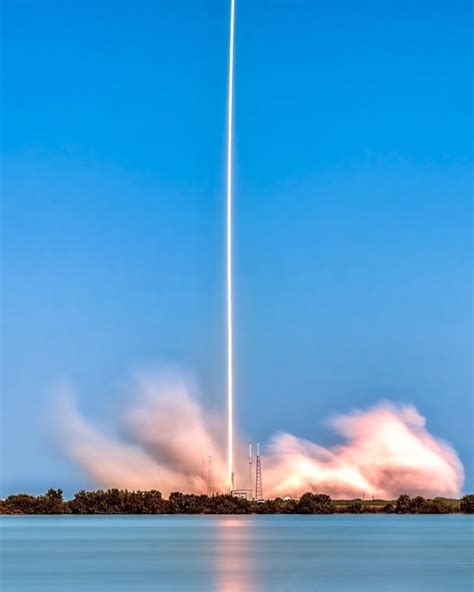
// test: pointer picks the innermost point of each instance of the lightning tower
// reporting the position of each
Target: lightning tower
(210, 473)
(250, 469)
(230, 371)
(203, 469)
(258, 477)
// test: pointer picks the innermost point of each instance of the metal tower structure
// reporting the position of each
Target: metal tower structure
(258, 477)
(204, 470)
(250, 468)
(210, 473)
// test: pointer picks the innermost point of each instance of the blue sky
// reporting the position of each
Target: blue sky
(353, 214)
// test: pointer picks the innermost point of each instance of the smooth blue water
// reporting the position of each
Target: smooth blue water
(236, 553)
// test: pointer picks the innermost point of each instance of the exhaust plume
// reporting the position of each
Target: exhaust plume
(384, 451)
(229, 275)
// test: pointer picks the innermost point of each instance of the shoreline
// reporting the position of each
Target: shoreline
(135, 503)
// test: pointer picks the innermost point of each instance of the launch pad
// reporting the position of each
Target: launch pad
(242, 494)
(251, 492)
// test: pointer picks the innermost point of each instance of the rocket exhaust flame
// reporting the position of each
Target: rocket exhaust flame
(230, 377)
(384, 451)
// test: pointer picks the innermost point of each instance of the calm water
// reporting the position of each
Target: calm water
(236, 553)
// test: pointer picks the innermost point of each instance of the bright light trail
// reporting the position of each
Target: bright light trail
(230, 369)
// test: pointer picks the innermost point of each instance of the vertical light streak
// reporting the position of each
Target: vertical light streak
(230, 369)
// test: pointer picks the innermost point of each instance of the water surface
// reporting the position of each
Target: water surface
(236, 553)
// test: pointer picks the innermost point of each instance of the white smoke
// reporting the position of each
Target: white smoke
(386, 450)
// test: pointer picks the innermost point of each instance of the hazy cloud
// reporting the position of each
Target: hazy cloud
(385, 450)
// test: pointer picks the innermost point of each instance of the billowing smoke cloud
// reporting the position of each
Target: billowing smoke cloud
(385, 450)
(159, 444)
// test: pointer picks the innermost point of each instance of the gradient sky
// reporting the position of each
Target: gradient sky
(353, 214)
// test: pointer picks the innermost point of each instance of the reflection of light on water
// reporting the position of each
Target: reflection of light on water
(234, 566)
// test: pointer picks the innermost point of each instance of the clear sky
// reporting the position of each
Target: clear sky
(353, 220)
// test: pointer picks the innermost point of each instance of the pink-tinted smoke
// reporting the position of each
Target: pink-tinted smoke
(385, 450)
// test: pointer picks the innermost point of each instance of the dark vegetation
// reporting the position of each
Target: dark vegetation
(122, 501)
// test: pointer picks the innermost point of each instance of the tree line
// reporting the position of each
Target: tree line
(123, 501)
